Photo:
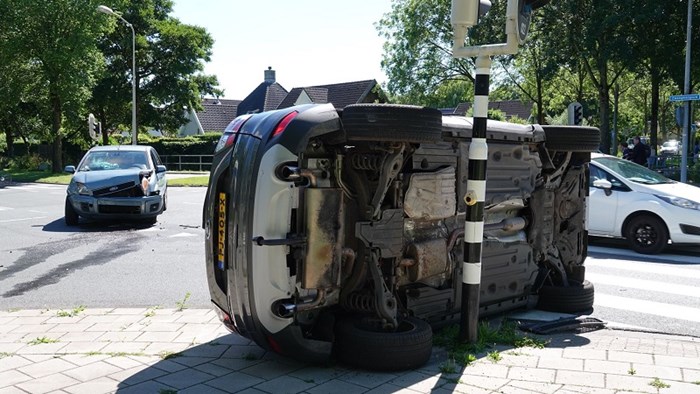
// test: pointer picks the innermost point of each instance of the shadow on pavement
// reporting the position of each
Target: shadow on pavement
(232, 363)
(91, 226)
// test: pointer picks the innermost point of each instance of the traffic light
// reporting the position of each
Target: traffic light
(465, 14)
(575, 112)
(525, 9)
(93, 126)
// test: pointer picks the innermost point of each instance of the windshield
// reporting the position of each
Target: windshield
(114, 160)
(668, 144)
(633, 172)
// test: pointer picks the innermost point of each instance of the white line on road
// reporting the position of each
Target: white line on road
(19, 220)
(645, 267)
(183, 235)
(5, 208)
(662, 287)
(648, 307)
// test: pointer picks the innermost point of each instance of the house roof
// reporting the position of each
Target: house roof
(267, 96)
(510, 107)
(339, 94)
(216, 114)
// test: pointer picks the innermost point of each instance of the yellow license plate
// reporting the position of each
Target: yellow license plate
(221, 232)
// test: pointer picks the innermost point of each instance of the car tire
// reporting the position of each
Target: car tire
(572, 138)
(71, 217)
(646, 234)
(392, 123)
(576, 298)
(408, 347)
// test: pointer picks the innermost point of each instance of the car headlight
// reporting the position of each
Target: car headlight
(83, 189)
(144, 186)
(680, 202)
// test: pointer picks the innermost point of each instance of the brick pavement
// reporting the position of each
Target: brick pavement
(168, 351)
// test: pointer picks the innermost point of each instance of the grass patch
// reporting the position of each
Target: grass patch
(698, 382)
(152, 311)
(121, 354)
(181, 305)
(64, 179)
(12, 310)
(190, 182)
(6, 354)
(632, 371)
(72, 313)
(659, 384)
(494, 356)
(448, 367)
(487, 338)
(167, 355)
(42, 340)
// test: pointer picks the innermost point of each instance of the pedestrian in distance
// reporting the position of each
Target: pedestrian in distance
(640, 152)
(625, 149)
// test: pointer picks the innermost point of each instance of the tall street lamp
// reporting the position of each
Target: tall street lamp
(109, 11)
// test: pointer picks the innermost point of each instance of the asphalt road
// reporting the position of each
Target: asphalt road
(44, 264)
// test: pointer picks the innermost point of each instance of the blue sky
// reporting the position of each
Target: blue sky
(307, 42)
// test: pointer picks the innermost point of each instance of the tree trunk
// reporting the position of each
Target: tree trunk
(604, 100)
(57, 151)
(105, 134)
(10, 139)
(655, 82)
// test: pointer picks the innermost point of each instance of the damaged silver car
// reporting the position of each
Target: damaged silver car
(117, 182)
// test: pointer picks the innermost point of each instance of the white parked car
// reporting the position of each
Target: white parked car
(649, 210)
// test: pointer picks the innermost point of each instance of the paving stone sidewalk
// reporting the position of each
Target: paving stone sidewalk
(169, 351)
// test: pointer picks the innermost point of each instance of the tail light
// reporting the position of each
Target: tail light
(279, 129)
(229, 136)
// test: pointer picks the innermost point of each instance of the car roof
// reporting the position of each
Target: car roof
(116, 148)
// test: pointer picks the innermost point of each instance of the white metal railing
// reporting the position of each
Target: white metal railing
(187, 162)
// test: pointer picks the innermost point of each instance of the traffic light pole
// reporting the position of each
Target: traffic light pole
(474, 200)
(464, 15)
(686, 89)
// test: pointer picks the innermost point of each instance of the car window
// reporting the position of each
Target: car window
(155, 158)
(632, 171)
(114, 160)
(598, 173)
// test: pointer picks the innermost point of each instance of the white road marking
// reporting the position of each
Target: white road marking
(661, 287)
(5, 208)
(22, 219)
(182, 235)
(648, 307)
(649, 268)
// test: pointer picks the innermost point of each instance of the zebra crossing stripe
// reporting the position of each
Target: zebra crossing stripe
(648, 307)
(659, 287)
(642, 267)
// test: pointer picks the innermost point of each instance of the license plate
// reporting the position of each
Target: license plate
(221, 233)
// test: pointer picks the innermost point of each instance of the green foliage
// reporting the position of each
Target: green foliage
(488, 337)
(72, 313)
(659, 384)
(26, 162)
(42, 340)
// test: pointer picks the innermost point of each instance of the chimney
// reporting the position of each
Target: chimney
(269, 75)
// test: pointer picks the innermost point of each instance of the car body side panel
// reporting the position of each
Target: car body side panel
(602, 210)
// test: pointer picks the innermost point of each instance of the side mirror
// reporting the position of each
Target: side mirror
(603, 184)
(160, 168)
(69, 169)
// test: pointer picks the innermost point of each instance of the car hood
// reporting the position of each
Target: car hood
(677, 189)
(97, 179)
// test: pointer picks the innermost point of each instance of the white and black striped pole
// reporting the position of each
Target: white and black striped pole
(474, 198)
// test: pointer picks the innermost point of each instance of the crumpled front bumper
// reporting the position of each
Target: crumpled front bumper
(117, 207)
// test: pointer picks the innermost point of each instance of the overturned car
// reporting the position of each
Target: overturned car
(339, 232)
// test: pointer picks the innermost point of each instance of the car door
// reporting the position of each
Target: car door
(603, 203)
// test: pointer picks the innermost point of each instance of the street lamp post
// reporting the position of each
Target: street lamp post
(109, 11)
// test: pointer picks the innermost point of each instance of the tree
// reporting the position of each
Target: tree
(418, 50)
(170, 57)
(58, 39)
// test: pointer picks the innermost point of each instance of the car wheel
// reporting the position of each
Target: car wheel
(572, 138)
(575, 298)
(70, 215)
(360, 345)
(165, 202)
(646, 234)
(392, 122)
